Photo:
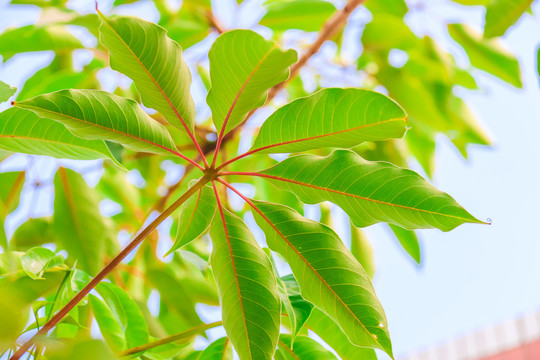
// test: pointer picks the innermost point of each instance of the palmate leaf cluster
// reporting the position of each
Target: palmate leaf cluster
(346, 146)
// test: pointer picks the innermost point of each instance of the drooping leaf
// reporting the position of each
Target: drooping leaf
(369, 191)
(33, 232)
(387, 32)
(247, 288)
(331, 118)
(37, 38)
(307, 15)
(79, 226)
(243, 66)
(408, 240)
(304, 348)
(11, 184)
(330, 332)
(38, 260)
(6, 91)
(487, 54)
(142, 51)
(109, 325)
(220, 349)
(195, 218)
(329, 276)
(362, 250)
(99, 115)
(23, 131)
(127, 314)
(297, 308)
(501, 14)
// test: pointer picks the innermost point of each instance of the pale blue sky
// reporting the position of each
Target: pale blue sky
(471, 277)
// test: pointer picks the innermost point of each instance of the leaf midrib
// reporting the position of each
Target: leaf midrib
(99, 126)
(52, 141)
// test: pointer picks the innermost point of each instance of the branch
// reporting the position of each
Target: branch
(180, 336)
(109, 267)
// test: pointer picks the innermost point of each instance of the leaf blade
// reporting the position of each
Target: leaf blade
(233, 96)
(369, 192)
(6, 91)
(502, 14)
(304, 124)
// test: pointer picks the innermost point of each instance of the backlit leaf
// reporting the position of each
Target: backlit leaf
(247, 288)
(11, 184)
(38, 260)
(501, 14)
(142, 51)
(362, 250)
(487, 54)
(297, 308)
(307, 15)
(331, 118)
(6, 91)
(243, 66)
(409, 242)
(23, 131)
(369, 191)
(94, 114)
(220, 349)
(329, 276)
(304, 348)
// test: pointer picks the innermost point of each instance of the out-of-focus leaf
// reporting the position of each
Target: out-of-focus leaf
(362, 250)
(80, 228)
(25, 132)
(409, 242)
(187, 32)
(241, 78)
(391, 7)
(329, 276)
(247, 287)
(331, 118)
(6, 91)
(11, 184)
(142, 51)
(38, 260)
(36, 38)
(387, 32)
(126, 312)
(220, 349)
(99, 115)
(501, 14)
(487, 54)
(80, 350)
(304, 348)
(307, 15)
(195, 218)
(109, 325)
(330, 332)
(473, 2)
(370, 192)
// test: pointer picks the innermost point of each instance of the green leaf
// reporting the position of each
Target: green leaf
(23, 131)
(220, 349)
(81, 350)
(473, 2)
(304, 349)
(331, 118)
(307, 15)
(79, 226)
(247, 288)
(11, 184)
(392, 7)
(109, 325)
(127, 314)
(387, 32)
(330, 332)
(37, 38)
(369, 191)
(195, 218)
(33, 232)
(409, 242)
(362, 250)
(501, 14)
(6, 91)
(487, 54)
(142, 51)
(243, 66)
(94, 114)
(329, 276)
(38, 260)
(297, 308)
